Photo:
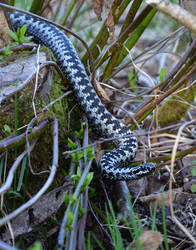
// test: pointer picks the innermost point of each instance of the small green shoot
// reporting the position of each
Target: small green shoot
(132, 79)
(81, 211)
(30, 129)
(162, 74)
(87, 181)
(22, 172)
(193, 172)
(1, 168)
(15, 194)
(73, 200)
(70, 220)
(89, 153)
(164, 221)
(193, 188)
(137, 229)
(19, 36)
(79, 154)
(153, 212)
(87, 242)
(70, 200)
(76, 155)
(66, 199)
(6, 51)
(37, 246)
(80, 133)
(71, 144)
(7, 130)
(113, 228)
(76, 176)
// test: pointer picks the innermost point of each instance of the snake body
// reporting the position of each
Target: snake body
(114, 164)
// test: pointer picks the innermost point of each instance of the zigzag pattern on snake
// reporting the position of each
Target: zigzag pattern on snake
(114, 164)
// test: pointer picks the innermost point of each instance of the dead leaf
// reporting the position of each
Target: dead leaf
(157, 198)
(110, 25)
(149, 240)
(98, 7)
(101, 92)
(30, 219)
(138, 187)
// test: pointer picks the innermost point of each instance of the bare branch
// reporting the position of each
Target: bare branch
(10, 176)
(5, 246)
(175, 11)
(50, 179)
(185, 230)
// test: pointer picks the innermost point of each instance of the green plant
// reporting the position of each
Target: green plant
(70, 220)
(113, 228)
(7, 129)
(36, 6)
(6, 51)
(162, 74)
(19, 36)
(76, 156)
(193, 172)
(132, 79)
(164, 221)
(79, 154)
(37, 246)
(22, 172)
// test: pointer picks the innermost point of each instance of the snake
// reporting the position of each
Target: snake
(115, 164)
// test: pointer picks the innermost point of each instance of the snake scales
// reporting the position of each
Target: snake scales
(114, 164)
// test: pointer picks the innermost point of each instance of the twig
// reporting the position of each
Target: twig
(56, 100)
(145, 51)
(175, 11)
(21, 47)
(101, 225)
(14, 167)
(158, 100)
(9, 143)
(5, 246)
(36, 80)
(83, 221)
(45, 187)
(72, 239)
(85, 165)
(136, 133)
(181, 62)
(170, 182)
(74, 196)
(78, 7)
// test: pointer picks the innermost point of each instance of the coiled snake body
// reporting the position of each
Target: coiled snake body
(114, 164)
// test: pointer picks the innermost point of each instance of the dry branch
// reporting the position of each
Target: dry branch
(179, 14)
(47, 184)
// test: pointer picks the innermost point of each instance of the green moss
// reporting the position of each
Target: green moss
(60, 108)
(7, 59)
(174, 109)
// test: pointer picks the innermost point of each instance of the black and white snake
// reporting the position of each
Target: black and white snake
(114, 164)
